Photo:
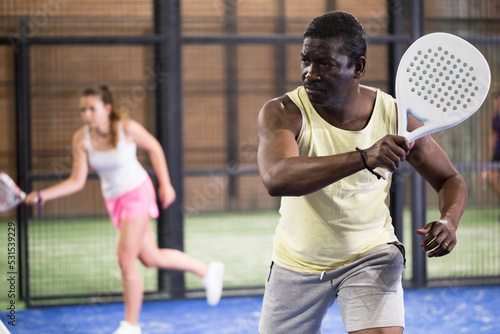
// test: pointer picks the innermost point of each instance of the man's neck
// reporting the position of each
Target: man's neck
(352, 114)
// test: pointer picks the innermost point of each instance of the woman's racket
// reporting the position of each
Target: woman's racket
(442, 80)
(11, 195)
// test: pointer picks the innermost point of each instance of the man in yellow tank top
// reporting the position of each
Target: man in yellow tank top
(321, 149)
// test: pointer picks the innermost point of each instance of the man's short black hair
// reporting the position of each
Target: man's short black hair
(344, 28)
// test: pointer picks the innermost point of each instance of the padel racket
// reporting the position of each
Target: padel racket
(11, 195)
(442, 80)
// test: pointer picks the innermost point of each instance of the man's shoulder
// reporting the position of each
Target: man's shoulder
(373, 91)
(281, 112)
(378, 95)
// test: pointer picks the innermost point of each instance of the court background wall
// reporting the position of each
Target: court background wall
(224, 84)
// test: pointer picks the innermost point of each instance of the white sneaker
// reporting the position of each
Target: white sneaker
(127, 328)
(213, 282)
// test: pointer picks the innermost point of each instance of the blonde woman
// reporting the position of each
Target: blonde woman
(108, 142)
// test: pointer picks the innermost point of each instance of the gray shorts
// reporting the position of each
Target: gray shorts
(369, 293)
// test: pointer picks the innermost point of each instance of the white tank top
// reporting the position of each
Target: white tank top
(118, 168)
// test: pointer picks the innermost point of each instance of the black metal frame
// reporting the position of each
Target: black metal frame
(169, 131)
(418, 203)
(23, 142)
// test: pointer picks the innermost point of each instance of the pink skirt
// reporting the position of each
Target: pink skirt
(133, 204)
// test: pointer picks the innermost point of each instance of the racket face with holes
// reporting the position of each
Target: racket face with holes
(10, 194)
(442, 80)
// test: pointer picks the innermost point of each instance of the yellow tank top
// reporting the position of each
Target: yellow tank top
(333, 226)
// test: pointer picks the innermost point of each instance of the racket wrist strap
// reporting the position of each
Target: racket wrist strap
(366, 165)
(39, 203)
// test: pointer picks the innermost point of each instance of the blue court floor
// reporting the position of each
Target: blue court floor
(430, 311)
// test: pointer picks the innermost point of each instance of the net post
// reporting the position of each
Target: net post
(418, 202)
(418, 218)
(23, 141)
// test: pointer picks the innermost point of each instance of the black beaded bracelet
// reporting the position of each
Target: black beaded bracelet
(368, 167)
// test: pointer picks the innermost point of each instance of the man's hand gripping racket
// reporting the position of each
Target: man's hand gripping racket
(11, 195)
(442, 80)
